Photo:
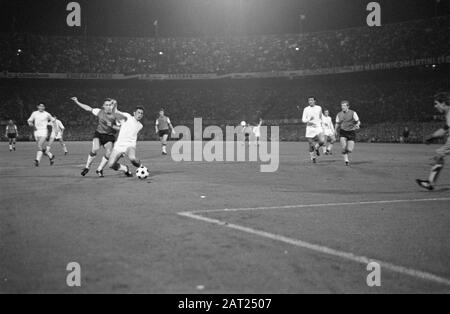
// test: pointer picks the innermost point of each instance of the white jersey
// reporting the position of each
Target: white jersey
(128, 131)
(57, 126)
(313, 117)
(40, 121)
(328, 127)
(57, 129)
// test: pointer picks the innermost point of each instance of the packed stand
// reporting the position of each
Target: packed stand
(220, 55)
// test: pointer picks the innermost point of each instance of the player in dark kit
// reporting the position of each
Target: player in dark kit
(442, 104)
(163, 127)
(105, 134)
(11, 133)
(347, 122)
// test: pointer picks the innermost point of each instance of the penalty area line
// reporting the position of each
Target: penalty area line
(321, 205)
(323, 249)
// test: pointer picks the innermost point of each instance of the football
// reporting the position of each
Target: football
(243, 124)
(142, 173)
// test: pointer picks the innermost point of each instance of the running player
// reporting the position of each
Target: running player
(257, 131)
(57, 134)
(39, 121)
(329, 133)
(163, 127)
(130, 126)
(104, 134)
(312, 117)
(11, 133)
(442, 104)
(347, 122)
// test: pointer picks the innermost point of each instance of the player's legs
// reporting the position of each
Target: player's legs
(12, 143)
(108, 150)
(312, 149)
(131, 153)
(115, 165)
(40, 141)
(92, 155)
(257, 134)
(114, 158)
(257, 139)
(51, 140)
(348, 146)
(329, 144)
(47, 153)
(315, 144)
(63, 144)
(163, 140)
(438, 165)
(325, 145)
(344, 144)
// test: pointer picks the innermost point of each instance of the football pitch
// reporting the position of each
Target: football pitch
(225, 227)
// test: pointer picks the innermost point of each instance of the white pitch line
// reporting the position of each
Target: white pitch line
(45, 165)
(323, 249)
(320, 205)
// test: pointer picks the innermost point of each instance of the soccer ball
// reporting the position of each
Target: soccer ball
(142, 173)
(243, 124)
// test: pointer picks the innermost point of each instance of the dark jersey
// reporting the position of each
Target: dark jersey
(106, 121)
(11, 129)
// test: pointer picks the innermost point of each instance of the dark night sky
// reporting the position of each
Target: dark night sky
(205, 17)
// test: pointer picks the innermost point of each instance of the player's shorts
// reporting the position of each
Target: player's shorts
(104, 138)
(40, 133)
(444, 150)
(349, 135)
(257, 132)
(330, 137)
(313, 132)
(12, 135)
(56, 136)
(122, 148)
(161, 133)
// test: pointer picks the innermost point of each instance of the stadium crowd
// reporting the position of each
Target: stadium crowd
(390, 97)
(355, 46)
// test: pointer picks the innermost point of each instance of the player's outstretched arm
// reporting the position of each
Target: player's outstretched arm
(81, 105)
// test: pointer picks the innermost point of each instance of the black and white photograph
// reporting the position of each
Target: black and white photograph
(224, 153)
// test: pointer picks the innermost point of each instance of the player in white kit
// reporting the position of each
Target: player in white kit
(312, 117)
(257, 131)
(130, 126)
(329, 133)
(39, 120)
(57, 134)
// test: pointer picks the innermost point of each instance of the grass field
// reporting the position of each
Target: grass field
(224, 227)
